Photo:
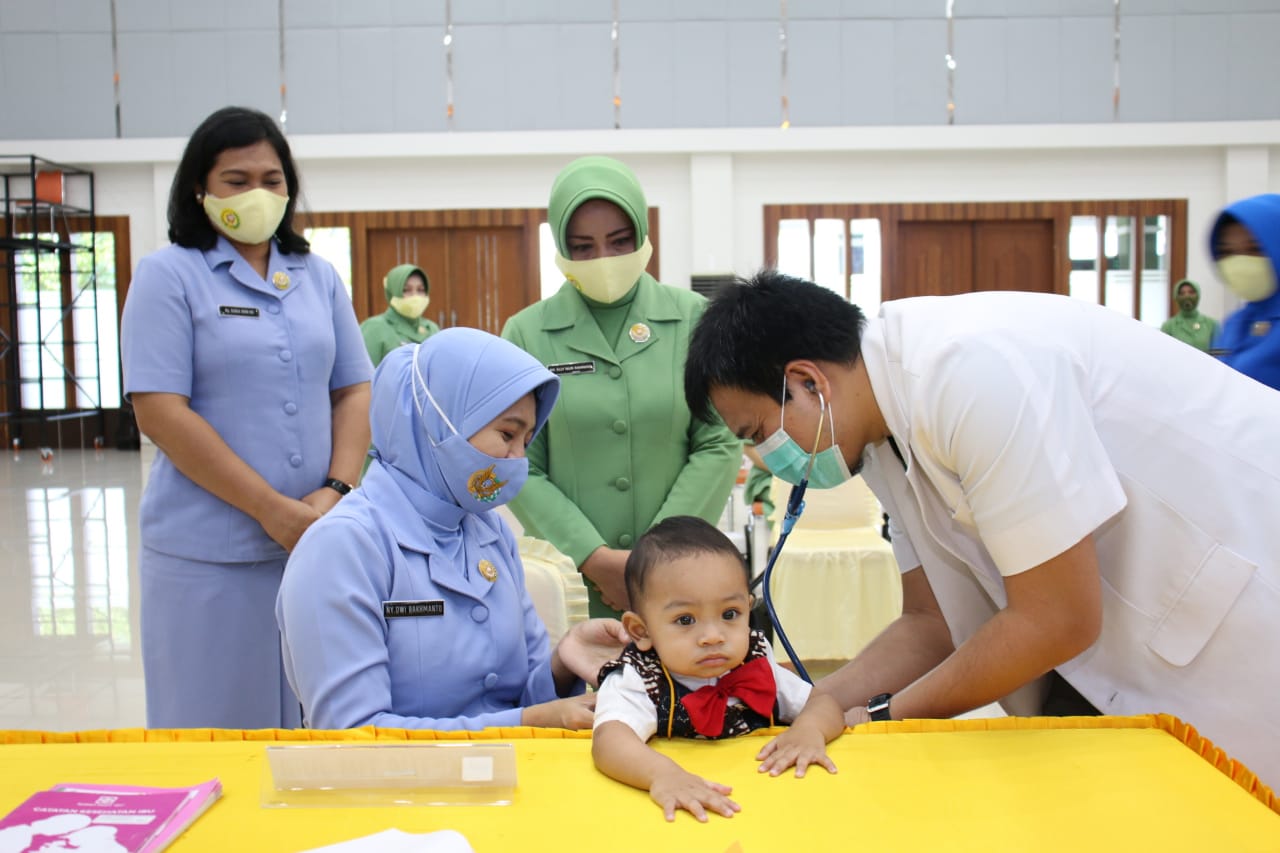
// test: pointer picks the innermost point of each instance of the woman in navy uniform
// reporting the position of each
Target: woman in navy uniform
(244, 364)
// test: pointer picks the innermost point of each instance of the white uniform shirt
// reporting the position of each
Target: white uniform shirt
(1028, 422)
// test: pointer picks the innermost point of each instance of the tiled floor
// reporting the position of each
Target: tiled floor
(69, 654)
(69, 643)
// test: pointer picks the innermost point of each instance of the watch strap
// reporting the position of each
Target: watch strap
(338, 486)
(878, 707)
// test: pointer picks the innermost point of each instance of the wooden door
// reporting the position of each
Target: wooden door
(933, 258)
(1014, 255)
(486, 276)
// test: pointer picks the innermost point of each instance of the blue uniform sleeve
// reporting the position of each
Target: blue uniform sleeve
(351, 363)
(333, 637)
(156, 332)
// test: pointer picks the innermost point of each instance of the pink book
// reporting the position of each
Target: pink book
(89, 820)
(195, 800)
(109, 817)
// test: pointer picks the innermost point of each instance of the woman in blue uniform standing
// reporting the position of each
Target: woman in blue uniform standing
(406, 605)
(244, 364)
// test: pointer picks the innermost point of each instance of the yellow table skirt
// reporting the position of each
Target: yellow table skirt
(1095, 783)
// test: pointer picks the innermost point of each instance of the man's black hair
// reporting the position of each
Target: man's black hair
(670, 539)
(229, 127)
(754, 327)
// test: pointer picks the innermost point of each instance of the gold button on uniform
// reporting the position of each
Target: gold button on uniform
(488, 571)
(281, 280)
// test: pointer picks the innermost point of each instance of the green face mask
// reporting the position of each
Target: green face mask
(790, 462)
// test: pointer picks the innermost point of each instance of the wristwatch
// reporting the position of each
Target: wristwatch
(878, 707)
(338, 486)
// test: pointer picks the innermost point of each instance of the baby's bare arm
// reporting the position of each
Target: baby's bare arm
(619, 754)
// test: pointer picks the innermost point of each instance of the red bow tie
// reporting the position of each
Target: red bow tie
(751, 682)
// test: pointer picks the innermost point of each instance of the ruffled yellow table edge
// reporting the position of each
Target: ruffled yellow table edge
(1183, 732)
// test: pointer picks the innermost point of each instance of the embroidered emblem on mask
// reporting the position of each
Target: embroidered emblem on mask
(484, 485)
(230, 219)
(488, 571)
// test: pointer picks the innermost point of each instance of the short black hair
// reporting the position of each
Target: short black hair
(229, 127)
(753, 327)
(673, 538)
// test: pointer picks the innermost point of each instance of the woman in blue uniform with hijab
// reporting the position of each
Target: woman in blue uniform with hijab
(244, 364)
(1245, 242)
(406, 606)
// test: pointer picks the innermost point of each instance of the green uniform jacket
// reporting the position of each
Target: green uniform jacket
(389, 330)
(621, 450)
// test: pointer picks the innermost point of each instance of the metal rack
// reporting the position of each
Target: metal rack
(50, 369)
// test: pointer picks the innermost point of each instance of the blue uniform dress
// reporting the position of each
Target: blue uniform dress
(257, 359)
(1251, 336)
(399, 607)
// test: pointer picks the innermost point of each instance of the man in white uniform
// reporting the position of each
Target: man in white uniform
(1069, 490)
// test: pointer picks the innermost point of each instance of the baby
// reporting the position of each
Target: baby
(695, 669)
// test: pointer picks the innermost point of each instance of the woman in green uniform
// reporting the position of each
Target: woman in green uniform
(621, 451)
(407, 289)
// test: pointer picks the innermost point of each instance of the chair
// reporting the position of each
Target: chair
(558, 592)
(836, 584)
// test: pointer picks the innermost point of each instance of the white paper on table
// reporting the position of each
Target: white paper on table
(398, 841)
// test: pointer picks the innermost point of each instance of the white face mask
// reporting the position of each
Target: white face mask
(606, 280)
(249, 217)
(1250, 277)
(410, 307)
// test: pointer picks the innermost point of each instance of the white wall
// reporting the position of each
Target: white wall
(711, 185)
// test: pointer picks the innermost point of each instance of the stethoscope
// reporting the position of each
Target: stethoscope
(795, 506)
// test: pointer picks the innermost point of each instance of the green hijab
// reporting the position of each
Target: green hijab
(1190, 327)
(393, 284)
(589, 178)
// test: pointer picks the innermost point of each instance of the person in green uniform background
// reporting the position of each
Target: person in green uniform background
(1189, 325)
(408, 294)
(621, 451)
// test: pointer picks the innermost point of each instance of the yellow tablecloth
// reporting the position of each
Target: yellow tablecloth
(1106, 783)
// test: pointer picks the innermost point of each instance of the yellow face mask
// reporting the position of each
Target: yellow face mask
(249, 217)
(1250, 277)
(410, 307)
(606, 280)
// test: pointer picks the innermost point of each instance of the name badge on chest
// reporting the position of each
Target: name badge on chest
(572, 368)
(237, 311)
(410, 609)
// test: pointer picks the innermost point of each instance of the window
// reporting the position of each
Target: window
(334, 245)
(1122, 254)
(68, 336)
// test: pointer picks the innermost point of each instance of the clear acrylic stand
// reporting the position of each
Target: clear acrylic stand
(399, 774)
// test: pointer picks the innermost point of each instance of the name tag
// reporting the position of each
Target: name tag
(237, 311)
(569, 368)
(400, 609)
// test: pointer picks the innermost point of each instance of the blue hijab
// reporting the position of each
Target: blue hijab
(1251, 336)
(473, 377)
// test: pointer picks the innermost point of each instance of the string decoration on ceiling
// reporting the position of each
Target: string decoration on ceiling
(448, 62)
(951, 62)
(1115, 75)
(617, 66)
(284, 89)
(782, 48)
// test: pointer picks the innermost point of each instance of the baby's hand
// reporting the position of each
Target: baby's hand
(800, 745)
(681, 789)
